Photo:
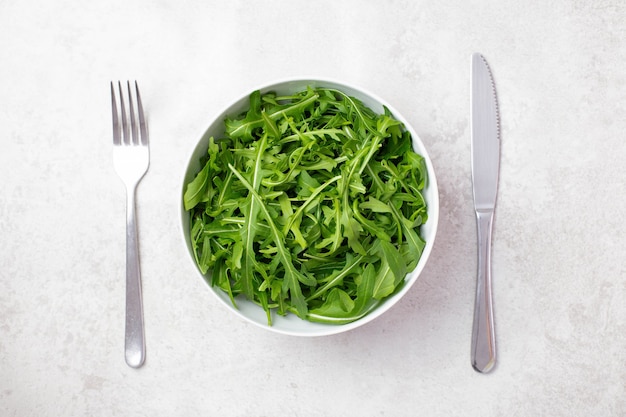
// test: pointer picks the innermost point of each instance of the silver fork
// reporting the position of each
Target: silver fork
(131, 158)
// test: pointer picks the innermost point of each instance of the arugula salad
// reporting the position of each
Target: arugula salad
(310, 204)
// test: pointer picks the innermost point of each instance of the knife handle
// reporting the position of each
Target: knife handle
(483, 333)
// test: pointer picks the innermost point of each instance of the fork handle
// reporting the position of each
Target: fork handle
(483, 333)
(135, 347)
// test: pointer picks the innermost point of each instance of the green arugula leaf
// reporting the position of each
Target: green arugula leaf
(251, 211)
(338, 310)
(243, 128)
(292, 276)
(196, 189)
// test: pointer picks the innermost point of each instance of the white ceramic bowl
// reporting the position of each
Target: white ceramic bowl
(292, 324)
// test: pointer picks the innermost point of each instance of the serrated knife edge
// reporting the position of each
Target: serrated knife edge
(485, 131)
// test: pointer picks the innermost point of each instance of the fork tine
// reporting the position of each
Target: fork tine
(133, 123)
(142, 120)
(116, 122)
(124, 119)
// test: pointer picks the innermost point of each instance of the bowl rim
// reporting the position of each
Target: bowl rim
(319, 329)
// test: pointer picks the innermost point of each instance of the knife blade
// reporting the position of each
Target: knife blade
(485, 150)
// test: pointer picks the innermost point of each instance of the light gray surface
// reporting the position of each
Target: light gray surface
(558, 262)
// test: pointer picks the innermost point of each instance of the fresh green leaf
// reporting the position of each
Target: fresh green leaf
(196, 189)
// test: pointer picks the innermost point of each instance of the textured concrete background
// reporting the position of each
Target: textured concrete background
(559, 268)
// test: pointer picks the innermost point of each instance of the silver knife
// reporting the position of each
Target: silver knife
(485, 148)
